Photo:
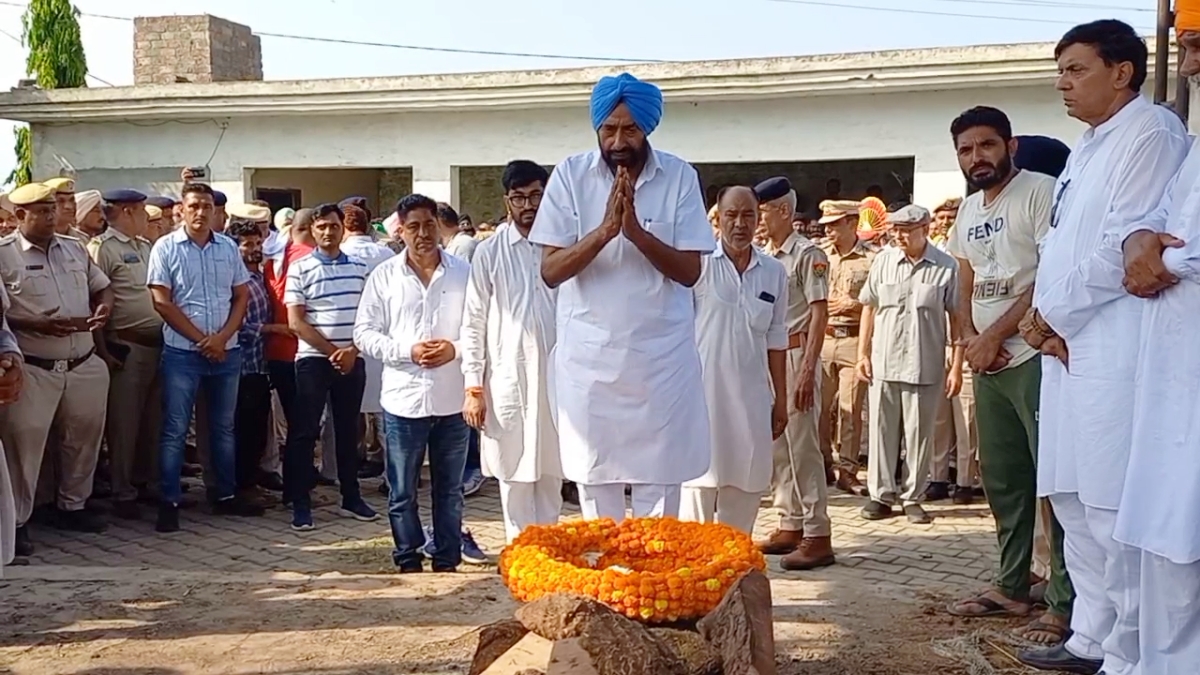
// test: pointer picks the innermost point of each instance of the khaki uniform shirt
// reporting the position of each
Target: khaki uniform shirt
(123, 259)
(847, 275)
(79, 234)
(808, 279)
(59, 281)
(911, 301)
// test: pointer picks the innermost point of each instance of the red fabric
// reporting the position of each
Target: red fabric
(281, 347)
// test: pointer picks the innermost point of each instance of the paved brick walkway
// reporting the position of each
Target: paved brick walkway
(957, 550)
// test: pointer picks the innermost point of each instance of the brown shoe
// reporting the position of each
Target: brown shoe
(848, 482)
(814, 552)
(781, 542)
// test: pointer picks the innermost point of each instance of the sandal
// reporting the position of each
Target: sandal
(991, 608)
(1057, 633)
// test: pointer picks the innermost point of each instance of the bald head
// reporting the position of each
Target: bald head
(737, 216)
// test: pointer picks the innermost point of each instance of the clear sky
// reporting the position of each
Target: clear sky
(624, 30)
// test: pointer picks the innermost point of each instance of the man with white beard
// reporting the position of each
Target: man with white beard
(508, 331)
(1087, 327)
(1164, 523)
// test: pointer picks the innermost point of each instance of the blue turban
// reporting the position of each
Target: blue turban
(644, 100)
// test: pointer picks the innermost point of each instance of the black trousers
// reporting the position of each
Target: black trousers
(251, 421)
(317, 382)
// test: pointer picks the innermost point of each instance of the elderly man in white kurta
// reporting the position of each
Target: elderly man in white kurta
(507, 334)
(1088, 327)
(623, 230)
(741, 331)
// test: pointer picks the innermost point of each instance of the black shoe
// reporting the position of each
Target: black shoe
(327, 482)
(370, 470)
(238, 507)
(191, 470)
(877, 511)
(964, 496)
(937, 491)
(127, 510)
(570, 493)
(271, 482)
(24, 547)
(412, 568)
(916, 515)
(168, 518)
(444, 570)
(81, 521)
(101, 490)
(1058, 659)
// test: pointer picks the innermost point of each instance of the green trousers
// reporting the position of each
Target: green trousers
(1006, 412)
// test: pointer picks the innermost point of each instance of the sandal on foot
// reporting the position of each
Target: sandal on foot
(1038, 625)
(991, 608)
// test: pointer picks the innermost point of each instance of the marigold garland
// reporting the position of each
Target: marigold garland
(652, 569)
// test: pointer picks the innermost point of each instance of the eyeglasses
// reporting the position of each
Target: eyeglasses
(521, 201)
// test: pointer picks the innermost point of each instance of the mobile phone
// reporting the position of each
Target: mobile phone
(80, 323)
(198, 172)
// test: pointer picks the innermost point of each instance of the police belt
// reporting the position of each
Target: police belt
(58, 365)
(797, 341)
(841, 331)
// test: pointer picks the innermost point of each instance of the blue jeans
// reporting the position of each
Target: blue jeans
(183, 373)
(473, 465)
(407, 439)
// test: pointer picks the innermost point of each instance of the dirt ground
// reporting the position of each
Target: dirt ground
(142, 622)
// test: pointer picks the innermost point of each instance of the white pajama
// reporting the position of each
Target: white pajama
(726, 504)
(1106, 575)
(1170, 621)
(647, 500)
(525, 504)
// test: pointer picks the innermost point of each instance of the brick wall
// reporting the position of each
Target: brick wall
(201, 48)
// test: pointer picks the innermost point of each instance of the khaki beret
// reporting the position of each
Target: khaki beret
(61, 185)
(833, 210)
(153, 212)
(31, 193)
(253, 212)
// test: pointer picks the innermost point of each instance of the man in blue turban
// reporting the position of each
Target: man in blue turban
(622, 230)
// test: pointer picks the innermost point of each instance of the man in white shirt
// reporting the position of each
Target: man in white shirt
(995, 241)
(623, 229)
(454, 240)
(1083, 320)
(409, 318)
(741, 332)
(507, 335)
(1160, 506)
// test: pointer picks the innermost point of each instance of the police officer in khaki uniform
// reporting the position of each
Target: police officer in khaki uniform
(132, 346)
(58, 297)
(841, 420)
(910, 290)
(64, 198)
(801, 495)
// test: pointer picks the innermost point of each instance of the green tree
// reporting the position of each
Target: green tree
(50, 29)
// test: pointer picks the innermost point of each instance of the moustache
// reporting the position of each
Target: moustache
(983, 165)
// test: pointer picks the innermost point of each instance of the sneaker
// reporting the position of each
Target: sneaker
(238, 507)
(81, 521)
(428, 548)
(471, 552)
(473, 484)
(24, 547)
(359, 511)
(168, 518)
(302, 519)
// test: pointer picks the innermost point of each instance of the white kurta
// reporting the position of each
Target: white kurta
(366, 249)
(1113, 180)
(1160, 506)
(629, 397)
(738, 318)
(8, 507)
(507, 334)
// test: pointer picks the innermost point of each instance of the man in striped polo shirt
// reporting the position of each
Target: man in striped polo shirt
(322, 294)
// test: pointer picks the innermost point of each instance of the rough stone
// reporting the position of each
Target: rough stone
(741, 628)
(531, 652)
(494, 641)
(559, 616)
(698, 656)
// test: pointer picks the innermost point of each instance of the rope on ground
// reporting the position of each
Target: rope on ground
(969, 651)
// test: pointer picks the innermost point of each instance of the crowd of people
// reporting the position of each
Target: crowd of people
(615, 336)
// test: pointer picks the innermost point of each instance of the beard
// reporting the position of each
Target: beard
(629, 157)
(253, 258)
(998, 174)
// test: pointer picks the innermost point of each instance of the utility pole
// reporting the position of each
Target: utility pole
(1162, 50)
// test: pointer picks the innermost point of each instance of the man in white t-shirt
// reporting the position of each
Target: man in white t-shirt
(995, 241)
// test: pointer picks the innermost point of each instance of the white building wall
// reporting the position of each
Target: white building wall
(797, 129)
